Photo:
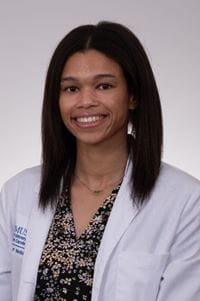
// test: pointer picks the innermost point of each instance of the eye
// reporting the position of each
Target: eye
(104, 86)
(71, 89)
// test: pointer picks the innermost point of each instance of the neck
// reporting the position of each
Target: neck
(101, 164)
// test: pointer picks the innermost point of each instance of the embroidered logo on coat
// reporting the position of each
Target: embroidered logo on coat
(19, 240)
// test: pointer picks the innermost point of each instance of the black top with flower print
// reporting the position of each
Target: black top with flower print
(67, 264)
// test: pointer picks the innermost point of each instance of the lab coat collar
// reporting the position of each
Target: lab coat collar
(122, 214)
(38, 228)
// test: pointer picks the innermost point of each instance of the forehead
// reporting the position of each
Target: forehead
(90, 62)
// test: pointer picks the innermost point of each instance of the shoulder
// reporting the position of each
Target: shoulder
(20, 191)
(175, 178)
(29, 176)
(175, 199)
(176, 189)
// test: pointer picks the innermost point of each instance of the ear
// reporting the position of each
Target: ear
(132, 103)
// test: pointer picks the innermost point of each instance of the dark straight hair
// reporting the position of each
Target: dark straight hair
(58, 144)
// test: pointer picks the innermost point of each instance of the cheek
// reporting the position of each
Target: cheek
(122, 105)
(64, 110)
(64, 114)
(61, 105)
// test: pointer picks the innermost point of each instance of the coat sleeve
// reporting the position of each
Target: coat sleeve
(181, 279)
(5, 248)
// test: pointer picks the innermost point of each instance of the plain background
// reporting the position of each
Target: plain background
(30, 31)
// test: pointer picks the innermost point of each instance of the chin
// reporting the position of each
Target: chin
(90, 140)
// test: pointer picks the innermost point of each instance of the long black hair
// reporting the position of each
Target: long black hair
(58, 144)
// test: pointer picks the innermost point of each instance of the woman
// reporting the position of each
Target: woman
(102, 218)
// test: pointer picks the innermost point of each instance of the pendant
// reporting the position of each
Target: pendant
(97, 191)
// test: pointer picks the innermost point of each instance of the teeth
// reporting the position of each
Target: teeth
(88, 119)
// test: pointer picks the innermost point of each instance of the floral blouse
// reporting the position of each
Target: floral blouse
(67, 264)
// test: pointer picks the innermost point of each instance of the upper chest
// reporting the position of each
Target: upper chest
(85, 205)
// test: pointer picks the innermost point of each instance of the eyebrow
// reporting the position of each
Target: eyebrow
(98, 76)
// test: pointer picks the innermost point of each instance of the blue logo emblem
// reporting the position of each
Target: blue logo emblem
(19, 240)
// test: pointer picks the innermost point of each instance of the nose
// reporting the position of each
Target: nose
(87, 98)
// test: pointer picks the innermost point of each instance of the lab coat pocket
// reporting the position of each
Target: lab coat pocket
(139, 276)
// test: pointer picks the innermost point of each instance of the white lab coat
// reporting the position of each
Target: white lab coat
(148, 254)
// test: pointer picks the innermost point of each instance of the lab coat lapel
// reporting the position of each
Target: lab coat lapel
(121, 216)
(38, 228)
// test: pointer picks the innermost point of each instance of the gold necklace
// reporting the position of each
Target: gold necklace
(98, 191)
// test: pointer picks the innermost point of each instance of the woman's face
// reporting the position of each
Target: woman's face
(94, 99)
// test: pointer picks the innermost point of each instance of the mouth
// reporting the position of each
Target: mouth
(89, 121)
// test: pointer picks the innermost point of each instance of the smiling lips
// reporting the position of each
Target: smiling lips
(87, 121)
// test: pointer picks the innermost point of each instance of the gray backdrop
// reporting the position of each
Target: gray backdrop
(29, 32)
